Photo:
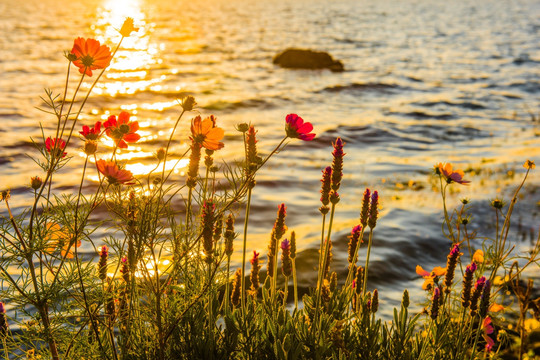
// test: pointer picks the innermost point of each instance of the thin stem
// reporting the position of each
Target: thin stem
(364, 285)
(244, 245)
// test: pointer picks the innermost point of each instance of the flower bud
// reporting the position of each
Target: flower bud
(160, 154)
(188, 103)
(243, 127)
(36, 182)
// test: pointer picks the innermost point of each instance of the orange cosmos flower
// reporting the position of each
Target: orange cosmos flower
(478, 256)
(123, 130)
(430, 276)
(57, 237)
(445, 169)
(90, 55)
(113, 174)
(127, 27)
(206, 133)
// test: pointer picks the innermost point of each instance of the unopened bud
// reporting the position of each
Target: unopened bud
(160, 154)
(90, 147)
(36, 182)
(188, 103)
(243, 127)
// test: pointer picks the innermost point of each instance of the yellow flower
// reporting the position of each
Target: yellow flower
(529, 164)
(495, 307)
(430, 276)
(128, 28)
(478, 256)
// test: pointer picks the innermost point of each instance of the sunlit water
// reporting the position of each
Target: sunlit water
(425, 81)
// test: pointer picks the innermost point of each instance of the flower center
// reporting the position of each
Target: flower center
(124, 129)
(87, 60)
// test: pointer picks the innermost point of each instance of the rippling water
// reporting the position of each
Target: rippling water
(425, 81)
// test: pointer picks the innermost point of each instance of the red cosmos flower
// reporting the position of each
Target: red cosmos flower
(51, 144)
(297, 129)
(123, 130)
(91, 133)
(487, 330)
(90, 55)
(113, 174)
(206, 133)
(445, 169)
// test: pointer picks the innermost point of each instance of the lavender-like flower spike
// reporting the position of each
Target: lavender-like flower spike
(364, 214)
(207, 222)
(451, 267)
(229, 235)
(3, 321)
(353, 242)
(467, 285)
(478, 287)
(236, 289)
(293, 245)
(435, 302)
(286, 263)
(254, 277)
(373, 211)
(337, 164)
(102, 264)
(325, 187)
(484, 299)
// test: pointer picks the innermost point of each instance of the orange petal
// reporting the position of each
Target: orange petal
(421, 271)
(439, 271)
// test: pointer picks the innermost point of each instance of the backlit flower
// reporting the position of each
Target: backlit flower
(127, 27)
(296, 128)
(487, 329)
(91, 133)
(122, 130)
(91, 55)
(56, 238)
(529, 164)
(55, 144)
(113, 174)
(478, 256)
(495, 307)
(206, 133)
(429, 277)
(445, 169)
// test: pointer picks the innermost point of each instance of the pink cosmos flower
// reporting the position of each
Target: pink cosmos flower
(488, 329)
(445, 169)
(296, 128)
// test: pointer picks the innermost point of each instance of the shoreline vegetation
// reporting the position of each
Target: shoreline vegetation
(163, 286)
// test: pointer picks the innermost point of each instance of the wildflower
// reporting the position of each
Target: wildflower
(91, 55)
(57, 237)
(337, 164)
(297, 129)
(36, 182)
(430, 277)
(102, 264)
(373, 212)
(487, 329)
(477, 291)
(333, 281)
(5, 195)
(188, 103)
(364, 213)
(445, 169)
(90, 147)
(206, 133)
(325, 189)
(529, 164)
(478, 256)
(375, 301)
(497, 204)
(91, 133)
(218, 227)
(325, 291)
(368, 302)
(359, 280)
(495, 307)
(467, 285)
(465, 201)
(353, 243)
(113, 174)
(160, 154)
(3, 321)
(127, 27)
(229, 235)
(484, 299)
(124, 270)
(277, 232)
(293, 245)
(451, 267)
(122, 131)
(254, 277)
(251, 140)
(286, 263)
(334, 197)
(243, 127)
(236, 289)
(57, 145)
(435, 302)
(193, 167)
(207, 224)
(405, 300)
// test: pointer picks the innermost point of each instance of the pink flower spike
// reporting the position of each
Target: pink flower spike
(296, 128)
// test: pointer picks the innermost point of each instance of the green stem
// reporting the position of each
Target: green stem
(295, 284)
(243, 282)
(364, 285)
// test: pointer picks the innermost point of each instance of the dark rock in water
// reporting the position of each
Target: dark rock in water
(307, 59)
